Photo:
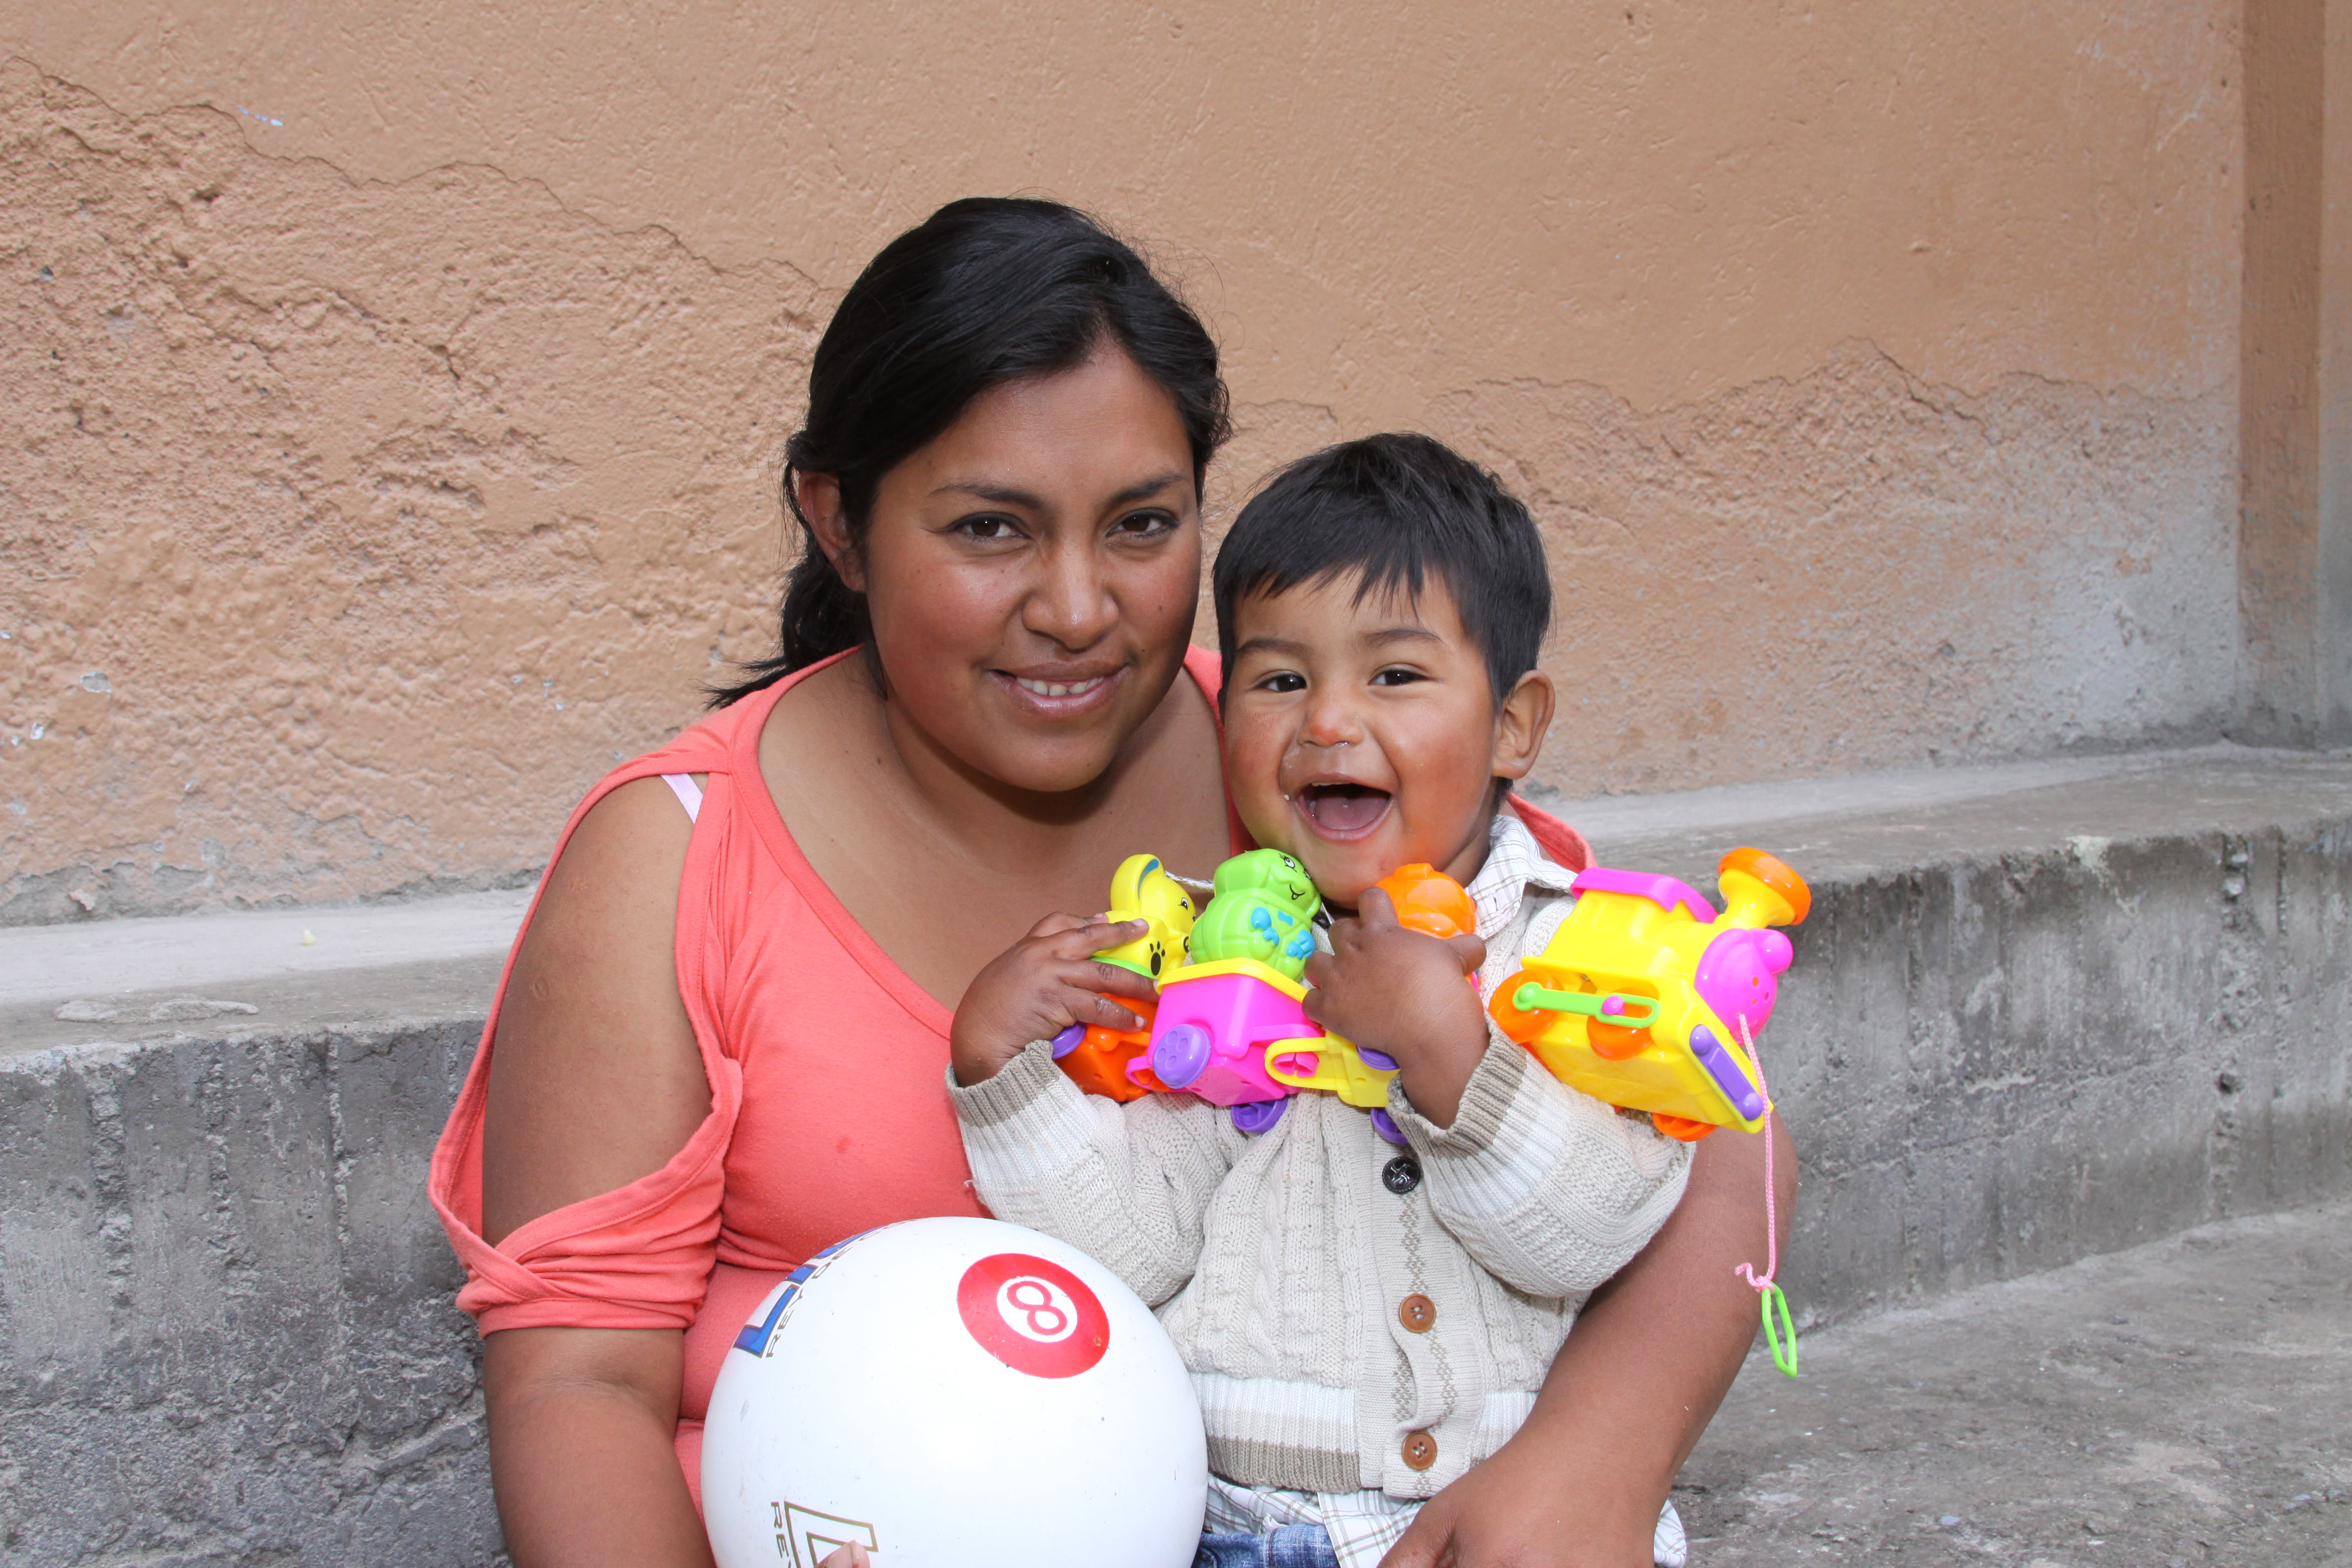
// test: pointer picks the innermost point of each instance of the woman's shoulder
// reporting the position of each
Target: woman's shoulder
(709, 745)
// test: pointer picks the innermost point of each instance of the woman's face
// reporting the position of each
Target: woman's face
(1031, 573)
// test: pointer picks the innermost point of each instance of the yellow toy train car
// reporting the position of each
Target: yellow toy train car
(1640, 997)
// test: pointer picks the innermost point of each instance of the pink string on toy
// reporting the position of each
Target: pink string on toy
(1771, 1208)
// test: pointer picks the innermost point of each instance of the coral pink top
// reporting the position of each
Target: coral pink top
(828, 1113)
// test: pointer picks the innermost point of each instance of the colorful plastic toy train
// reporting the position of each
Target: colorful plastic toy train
(1645, 998)
(1638, 999)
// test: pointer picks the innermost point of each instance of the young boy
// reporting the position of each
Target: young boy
(1363, 1323)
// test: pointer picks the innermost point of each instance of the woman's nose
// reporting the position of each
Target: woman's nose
(1073, 605)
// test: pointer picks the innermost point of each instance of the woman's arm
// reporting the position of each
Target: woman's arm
(594, 1083)
(581, 1426)
(1649, 1359)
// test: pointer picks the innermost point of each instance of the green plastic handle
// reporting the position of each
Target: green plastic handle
(1781, 1337)
(1532, 997)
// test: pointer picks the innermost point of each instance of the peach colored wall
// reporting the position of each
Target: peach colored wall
(397, 390)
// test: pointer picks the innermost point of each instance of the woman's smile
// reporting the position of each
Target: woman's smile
(1060, 695)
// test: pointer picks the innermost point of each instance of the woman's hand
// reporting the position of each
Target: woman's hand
(1044, 983)
(1544, 1500)
(1400, 993)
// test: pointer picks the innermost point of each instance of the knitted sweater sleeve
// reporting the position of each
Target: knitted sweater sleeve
(1551, 1190)
(1129, 1183)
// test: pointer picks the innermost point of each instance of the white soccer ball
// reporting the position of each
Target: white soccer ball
(954, 1393)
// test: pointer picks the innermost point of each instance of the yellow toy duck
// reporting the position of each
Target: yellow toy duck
(1105, 1061)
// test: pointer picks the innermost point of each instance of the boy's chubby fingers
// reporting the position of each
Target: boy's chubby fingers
(1468, 952)
(1318, 975)
(1091, 1007)
(1118, 980)
(1055, 924)
(1082, 935)
(1374, 910)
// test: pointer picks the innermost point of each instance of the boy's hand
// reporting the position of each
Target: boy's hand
(1400, 993)
(1044, 983)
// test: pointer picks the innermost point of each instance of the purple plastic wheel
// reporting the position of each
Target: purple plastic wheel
(1376, 1060)
(1385, 1125)
(1067, 1040)
(1259, 1115)
(1180, 1054)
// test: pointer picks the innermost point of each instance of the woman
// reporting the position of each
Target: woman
(721, 1043)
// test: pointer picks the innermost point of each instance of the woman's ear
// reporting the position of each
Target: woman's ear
(1521, 724)
(820, 501)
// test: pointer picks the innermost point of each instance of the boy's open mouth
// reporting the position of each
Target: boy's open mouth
(1343, 810)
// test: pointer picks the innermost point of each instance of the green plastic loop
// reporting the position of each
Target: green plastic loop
(1782, 1337)
(1640, 1012)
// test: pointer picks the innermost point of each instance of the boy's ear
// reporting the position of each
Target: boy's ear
(1520, 725)
(820, 498)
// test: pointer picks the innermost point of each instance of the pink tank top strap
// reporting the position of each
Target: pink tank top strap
(689, 792)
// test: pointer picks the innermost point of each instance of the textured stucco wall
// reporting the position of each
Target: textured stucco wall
(395, 394)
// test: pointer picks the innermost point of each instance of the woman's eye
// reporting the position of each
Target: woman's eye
(1143, 524)
(987, 527)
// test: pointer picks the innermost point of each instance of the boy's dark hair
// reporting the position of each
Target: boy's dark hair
(1395, 510)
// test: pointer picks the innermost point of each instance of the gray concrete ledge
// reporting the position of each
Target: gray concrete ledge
(2039, 1013)
(226, 1336)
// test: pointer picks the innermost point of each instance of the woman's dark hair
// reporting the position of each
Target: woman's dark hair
(1395, 510)
(983, 291)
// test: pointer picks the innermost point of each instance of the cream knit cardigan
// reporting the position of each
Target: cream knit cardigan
(1279, 1263)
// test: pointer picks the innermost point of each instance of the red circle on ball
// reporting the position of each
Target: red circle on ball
(1034, 1316)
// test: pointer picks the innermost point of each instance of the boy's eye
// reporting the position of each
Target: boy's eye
(1394, 675)
(1283, 680)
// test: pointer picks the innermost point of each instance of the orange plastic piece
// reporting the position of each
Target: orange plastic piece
(1614, 1042)
(1682, 1129)
(1429, 900)
(1775, 875)
(1099, 1063)
(1515, 1022)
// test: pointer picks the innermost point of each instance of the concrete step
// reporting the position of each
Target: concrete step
(2039, 1013)
(2180, 1402)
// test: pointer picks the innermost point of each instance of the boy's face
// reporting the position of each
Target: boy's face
(1361, 737)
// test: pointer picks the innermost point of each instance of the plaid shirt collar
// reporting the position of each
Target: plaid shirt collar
(1515, 863)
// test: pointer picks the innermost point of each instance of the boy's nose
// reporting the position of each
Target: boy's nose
(1331, 722)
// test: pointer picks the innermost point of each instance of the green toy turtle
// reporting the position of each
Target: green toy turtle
(1264, 907)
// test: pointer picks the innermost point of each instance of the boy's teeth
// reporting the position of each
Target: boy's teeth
(1059, 689)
